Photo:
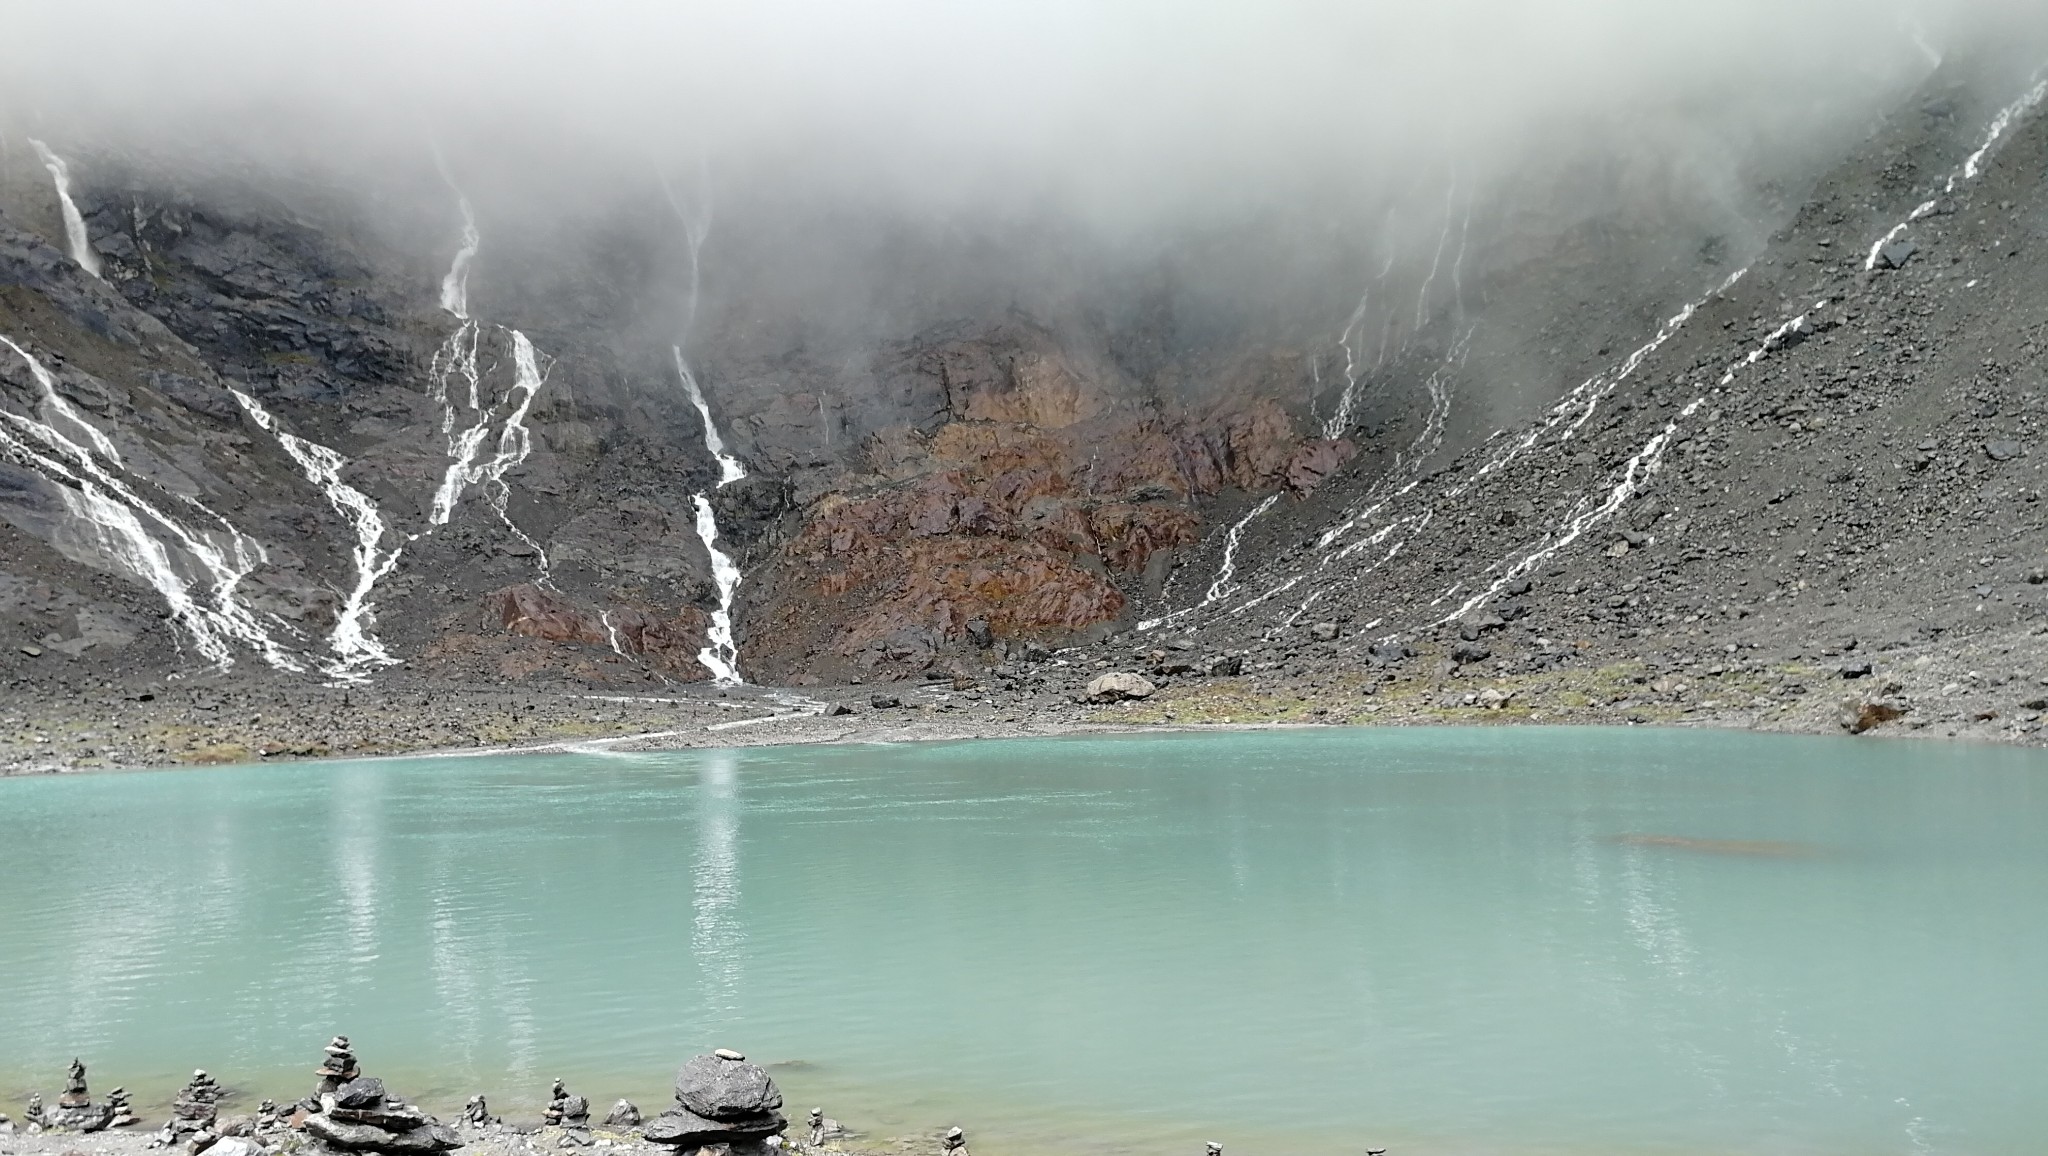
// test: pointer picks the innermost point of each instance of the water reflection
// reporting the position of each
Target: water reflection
(717, 939)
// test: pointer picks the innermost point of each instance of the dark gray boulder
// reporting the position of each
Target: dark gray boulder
(365, 1092)
(723, 1086)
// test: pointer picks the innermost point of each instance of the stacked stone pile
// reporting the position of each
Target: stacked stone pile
(720, 1099)
(566, 1110)
(75, 1111)
(122, 1112)
(195, 1111)
(354, 1113)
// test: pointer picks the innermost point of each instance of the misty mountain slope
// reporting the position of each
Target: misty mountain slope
(490, 439)
(333, 339)
(1821, 452)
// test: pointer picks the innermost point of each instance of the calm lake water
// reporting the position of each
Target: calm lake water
(1460, 941)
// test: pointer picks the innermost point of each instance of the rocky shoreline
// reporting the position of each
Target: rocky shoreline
(1990, 687)
(724, 1106)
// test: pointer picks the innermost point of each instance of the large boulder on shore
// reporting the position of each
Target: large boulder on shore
(720, 1099)
(723, 1086)
(1119, 685)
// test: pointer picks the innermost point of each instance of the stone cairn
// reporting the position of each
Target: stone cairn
(624, 1114)
(824, 1128)
(956, 1142)
(75, 1111)
(352, 1112)
(198, 1101)
(566, 1110)
(123, 1113)
(721, 1099)
(33, 1114)
(477, 1113)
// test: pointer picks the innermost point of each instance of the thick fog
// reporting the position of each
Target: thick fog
(1273, 149)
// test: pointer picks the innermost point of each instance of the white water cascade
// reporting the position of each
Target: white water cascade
(74, 223)
(455, 375)
(356, 650)
(197, 575)
(721, 653)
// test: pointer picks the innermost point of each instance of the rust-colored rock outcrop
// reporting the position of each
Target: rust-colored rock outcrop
(667, 644)
(1032, 506)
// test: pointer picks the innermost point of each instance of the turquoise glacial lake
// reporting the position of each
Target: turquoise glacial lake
(1436, 941)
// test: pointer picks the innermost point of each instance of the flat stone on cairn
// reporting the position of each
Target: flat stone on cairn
(720, 1099)
(358, 1115)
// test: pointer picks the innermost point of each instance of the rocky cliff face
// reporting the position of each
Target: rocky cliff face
(265, 435)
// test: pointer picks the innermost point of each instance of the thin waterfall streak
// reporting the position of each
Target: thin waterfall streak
(121, 520)
(455, 284)
(74, 223)
(54, 403)
(355, 647)
(720, 655)
(1220, 588)
(729, 468)
(1340, 421)
(1422, 299)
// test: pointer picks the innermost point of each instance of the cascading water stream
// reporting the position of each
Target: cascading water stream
(356, 650)
(197, 577)
(74, 222)
(720, 655)
(455, 375)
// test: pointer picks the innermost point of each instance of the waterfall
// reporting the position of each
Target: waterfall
(454, 368)
(74, 224)
(355, 648)
(721, 655)
(197, 575)
(455, 286)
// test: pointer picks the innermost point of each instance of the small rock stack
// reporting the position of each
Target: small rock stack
(193, 1112)
(198, 1102)
(337, 1069)
(75, 1111)
(566, 1110)
(356, 1115)
(118, 1107)
(477, 1113)
(720, 1099)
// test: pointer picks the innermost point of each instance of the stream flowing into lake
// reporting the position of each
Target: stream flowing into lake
(1434, 940)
